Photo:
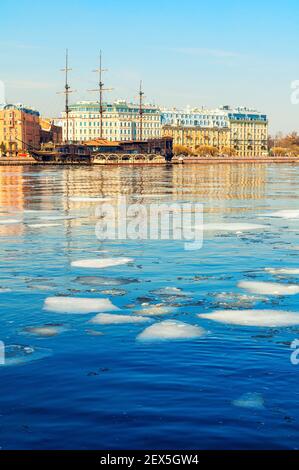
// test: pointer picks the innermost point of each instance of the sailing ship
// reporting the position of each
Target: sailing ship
(101, 151)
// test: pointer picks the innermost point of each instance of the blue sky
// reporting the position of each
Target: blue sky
(187, 52)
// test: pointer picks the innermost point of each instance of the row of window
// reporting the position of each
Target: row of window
(111, 124)
(116, 132)
(117, 116)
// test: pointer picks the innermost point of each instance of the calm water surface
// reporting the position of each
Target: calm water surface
(97, 386)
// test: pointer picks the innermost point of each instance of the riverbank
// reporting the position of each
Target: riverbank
(203, 160)
(175, 161)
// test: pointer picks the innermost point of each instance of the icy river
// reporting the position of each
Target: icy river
(138, 343)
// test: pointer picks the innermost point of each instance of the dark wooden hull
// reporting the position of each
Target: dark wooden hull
(62, 159)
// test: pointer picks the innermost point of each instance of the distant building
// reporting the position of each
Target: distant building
(121, 121)
(241, 129)
(50, 132)
(248, 132)
(195, 117)
(195, 136)
(19, 128)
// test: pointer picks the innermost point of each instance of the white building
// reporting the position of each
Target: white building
(195, 117)
(121, 121)
(201, 117)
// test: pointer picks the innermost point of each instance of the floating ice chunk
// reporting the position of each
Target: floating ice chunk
(10, 221)
(111, 319)
(251, 400)
(78, 305)
(170, 291)
(104, 281)
(34, 211)
(269, 288)
(42, 287)
(171, 329)
(158, 309)
(149, 196)
(100, 263)
(19, 354)
(284, 214)
(231, 227)
(268, 318)
(234, 300)
(282, 270)
(43, 225)
(89, 199)
(117, 292)
(59, 217)
(46, 331)
(92, 332)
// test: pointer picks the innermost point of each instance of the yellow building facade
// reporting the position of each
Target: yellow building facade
(193, 137)
(249, 138)
(19, 128)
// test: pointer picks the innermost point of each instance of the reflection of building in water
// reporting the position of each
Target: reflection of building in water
(11, 188)
(222, 181)
(115, 180)
(11, 198)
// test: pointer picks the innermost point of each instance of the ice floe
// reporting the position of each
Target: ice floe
(169, 291)
(268, 318)
(59, 217)
(116, 292)
(100, 263)
(171, 329)
(4, 290)
(10, 221)
(111, 319)
(159, 309)
(291, 271)
(78, 305)
(231, 227)
(269, 288)
(46, 331)
(41, 287)
(234, 300)
(92, 332)
(43, 225)
(250, 400)
(104, 281)
(89, 199)
(284, 214)
(16, 354)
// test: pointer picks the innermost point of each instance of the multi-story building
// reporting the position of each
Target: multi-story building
(243, 130)
(195, 117)
(248, 132)
(121, 121)
(19, 128)
(195, 136)
(50, 132)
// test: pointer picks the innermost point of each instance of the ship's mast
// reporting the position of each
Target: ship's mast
(141, 95)
(66, 92)
(101, 90)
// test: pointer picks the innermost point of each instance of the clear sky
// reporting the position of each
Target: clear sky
(188, 52)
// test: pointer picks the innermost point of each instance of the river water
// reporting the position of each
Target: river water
(70, 383)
